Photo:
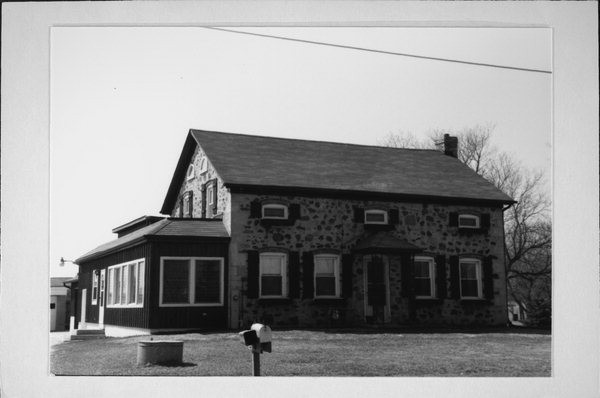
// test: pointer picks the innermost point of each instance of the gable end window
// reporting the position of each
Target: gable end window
(272, 275)
(190, 173)
(203, 166)
(327, 276)
(470, 278)
(274, 212)
(424, 277)
(468, 221)
(210, 195)
(376, 217)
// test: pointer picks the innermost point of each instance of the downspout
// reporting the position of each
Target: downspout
(504, 261)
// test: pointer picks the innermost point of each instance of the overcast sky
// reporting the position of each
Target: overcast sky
(123, 99)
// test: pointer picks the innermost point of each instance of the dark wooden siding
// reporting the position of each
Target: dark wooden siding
(129, 317)
(186, 317)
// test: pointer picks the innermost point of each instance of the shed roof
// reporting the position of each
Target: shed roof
(247, 160)
(182, 227)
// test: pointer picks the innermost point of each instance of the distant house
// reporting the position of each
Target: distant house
(60, 302)
(299, 233)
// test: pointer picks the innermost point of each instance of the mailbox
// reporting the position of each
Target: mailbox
(249, 337)
(264, 336)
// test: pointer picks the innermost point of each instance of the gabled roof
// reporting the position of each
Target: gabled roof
(175, 227)
(246, 160)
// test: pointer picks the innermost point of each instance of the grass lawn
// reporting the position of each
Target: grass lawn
(321, 353)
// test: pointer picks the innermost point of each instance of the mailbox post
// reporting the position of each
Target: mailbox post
(258, 340)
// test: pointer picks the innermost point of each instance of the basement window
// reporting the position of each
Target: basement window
(376, 217)
(468, 221)
(274, 212)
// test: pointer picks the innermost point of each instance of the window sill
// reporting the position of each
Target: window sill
(274, 300)
(329, 301)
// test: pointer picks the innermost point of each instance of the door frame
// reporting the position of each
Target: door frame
(83, 306)
(102, 296)
(368, 310)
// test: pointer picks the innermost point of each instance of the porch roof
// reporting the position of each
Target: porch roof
(384, 242)
(166, 227)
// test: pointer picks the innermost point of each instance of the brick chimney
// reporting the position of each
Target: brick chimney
(450, 145)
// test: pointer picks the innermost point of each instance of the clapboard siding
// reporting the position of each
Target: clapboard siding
(130, 317)
(187, 317)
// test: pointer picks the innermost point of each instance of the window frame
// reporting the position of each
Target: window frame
(336, 272)
(285, 208)
(478, 275)
(472, 217)
(376, 211)
(191, 172)
(203, 165)
(432, 276)
(284, 269)
(209, 195)
(124, 287)
(192, 282)
(95, 277)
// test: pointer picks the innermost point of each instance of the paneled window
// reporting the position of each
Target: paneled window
(210, 196)
(191, 281)
(327, 275)
(470, 278)
(272, 280)
(95, 287)
(190, 172)
(376, 217)
(468, 221)
(275, 211)
(424, 277)
(126, 284)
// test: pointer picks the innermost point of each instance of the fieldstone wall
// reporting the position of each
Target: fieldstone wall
(195, 185)
(329, 224)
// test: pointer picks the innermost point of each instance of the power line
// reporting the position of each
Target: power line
(380, 51)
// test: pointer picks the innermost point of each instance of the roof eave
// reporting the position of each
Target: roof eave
(310, 191)
(184, 158)
(126, 245)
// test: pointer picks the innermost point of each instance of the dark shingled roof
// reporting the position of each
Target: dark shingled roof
(290, 163)
(164, 227)
(383, 242)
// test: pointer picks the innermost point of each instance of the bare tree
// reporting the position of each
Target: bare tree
(528, 230)
(405, 139)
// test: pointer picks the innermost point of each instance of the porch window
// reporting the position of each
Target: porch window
(275, 211)
(191, 281)
(424, 277)
(272, 280)
(95, 287)
(327, 275)
(468, 221)
(470, 278)
(376, 217)
(125, 286)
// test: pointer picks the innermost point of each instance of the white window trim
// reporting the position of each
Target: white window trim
(209, 195)
(336, 271)
(432, 276)
(284, 265)
(376, 211)
(469, 216)
(274, 206)
(203, 165)
(192, 281)
(190, 172)
(478, 275)
(95, 276)
(110, 284)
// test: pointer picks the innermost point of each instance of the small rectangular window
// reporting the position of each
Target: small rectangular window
(376, 217)
(275, 211)
(424, 277)
(272, 268)
(209, 195)
(468, 221)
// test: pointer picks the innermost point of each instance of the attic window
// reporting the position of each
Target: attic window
(468, 221)
(275, 211)
(190, 172)
(376, 217)
(203, 166)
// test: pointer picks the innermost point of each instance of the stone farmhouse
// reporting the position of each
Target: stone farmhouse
(297, 233)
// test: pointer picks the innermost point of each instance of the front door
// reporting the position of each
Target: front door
(101, 297)
(376, 289)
